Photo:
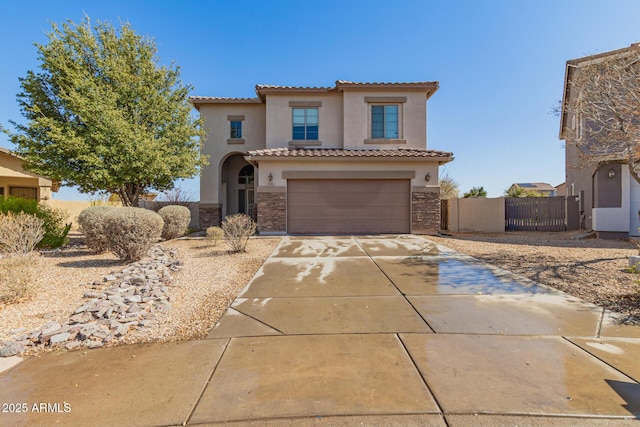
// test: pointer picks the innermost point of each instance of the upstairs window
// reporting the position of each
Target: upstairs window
(236, 129)
(305, 124)
(384, 122)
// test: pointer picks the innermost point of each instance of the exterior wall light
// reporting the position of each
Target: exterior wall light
(270, 177)
(612, 173)
(427, 177)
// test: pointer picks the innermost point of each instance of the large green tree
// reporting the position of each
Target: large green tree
(102, 114)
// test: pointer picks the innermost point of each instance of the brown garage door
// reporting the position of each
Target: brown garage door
(348, 206)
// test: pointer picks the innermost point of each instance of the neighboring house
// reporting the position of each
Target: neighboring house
(608, 197)
(539, 187)
(561, 189)
(17, 182)
(312, 160)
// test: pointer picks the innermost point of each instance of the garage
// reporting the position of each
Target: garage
(348, 206)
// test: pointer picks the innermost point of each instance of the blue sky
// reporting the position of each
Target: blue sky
(500, 64)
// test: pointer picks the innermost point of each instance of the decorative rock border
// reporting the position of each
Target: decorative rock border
(132, 299)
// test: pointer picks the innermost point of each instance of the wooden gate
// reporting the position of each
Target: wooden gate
(444, 214)
(535, 213)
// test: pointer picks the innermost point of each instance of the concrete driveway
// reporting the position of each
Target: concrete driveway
(363, 330)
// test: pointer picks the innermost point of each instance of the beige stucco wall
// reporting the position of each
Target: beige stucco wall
(357, 119)
(279, 123)
(275, 168)
(216, 146)
(13, 175)
(578, 171)
(476, 214)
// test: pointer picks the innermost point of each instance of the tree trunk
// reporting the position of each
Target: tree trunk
(129, 194)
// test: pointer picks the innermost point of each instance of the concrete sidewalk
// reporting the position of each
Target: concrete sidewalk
(366, 331)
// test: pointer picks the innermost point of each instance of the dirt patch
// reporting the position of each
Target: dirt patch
(592, 269)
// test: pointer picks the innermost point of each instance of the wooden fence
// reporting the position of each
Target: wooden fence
(535, 213)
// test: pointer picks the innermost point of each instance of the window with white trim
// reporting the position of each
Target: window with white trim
(305, 124)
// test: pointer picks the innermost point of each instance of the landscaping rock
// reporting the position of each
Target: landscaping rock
(59, 338)
(11, 349)
(121, 300)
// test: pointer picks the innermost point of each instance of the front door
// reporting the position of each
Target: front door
(246, 191)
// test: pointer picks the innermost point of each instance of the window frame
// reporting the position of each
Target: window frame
(305, 125)
(235, 129)
(235, 139)
(385, 121)
(386, 100)
(33, 190)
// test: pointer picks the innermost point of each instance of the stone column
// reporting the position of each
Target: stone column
(210, 214)
(272, 210)
(425, 210)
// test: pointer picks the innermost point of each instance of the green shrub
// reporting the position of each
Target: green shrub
(55, 230)
(20, 233)
(18, 277)
(131, 232)
(92, 222)
(237, 230)
(214, 234)
(176, 221)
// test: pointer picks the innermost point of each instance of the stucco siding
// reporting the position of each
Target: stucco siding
(634, 216)
(279, 131)
(217, 147)
(615, 219)
(357, 118)
(276, 167)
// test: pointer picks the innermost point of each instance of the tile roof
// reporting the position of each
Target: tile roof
(262, 89)
(339, 152)
(222, 99)
(280, 87)
(348, 83)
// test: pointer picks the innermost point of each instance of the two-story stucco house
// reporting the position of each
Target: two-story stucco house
(351, 158)
(609, 197)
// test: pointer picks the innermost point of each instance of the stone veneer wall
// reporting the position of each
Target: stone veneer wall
(272, 211)
(425, 211)
(210, 214)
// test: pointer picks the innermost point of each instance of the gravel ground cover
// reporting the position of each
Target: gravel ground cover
(201, 291)
(593, 269)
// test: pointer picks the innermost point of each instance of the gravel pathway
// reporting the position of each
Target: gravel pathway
(592, 269)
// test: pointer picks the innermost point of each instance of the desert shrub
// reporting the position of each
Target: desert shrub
(55, 229)
(237, 230)
(18, 274)
(176, 221)
(214, 234)
(131, 232)
(20, 233)
(92, 222)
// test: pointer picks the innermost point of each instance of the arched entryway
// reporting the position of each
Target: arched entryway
(237, 186)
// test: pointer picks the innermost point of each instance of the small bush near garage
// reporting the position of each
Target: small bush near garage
(132, 231)
(55, 229)
(20, 233)
(92, 222)
(215, 234)
(18, 274)
(237, 230)
(176, 221)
